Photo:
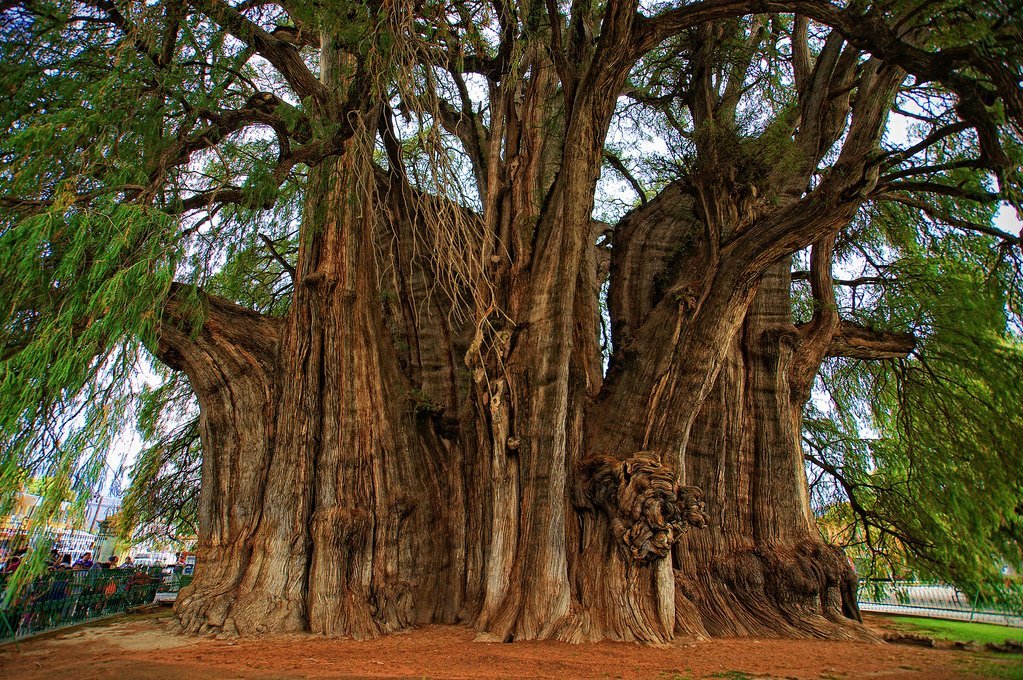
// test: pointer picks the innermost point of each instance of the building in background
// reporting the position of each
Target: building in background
(67, 533)
(96, 530)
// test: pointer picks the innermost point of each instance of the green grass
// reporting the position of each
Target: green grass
(1009, 667)
(958, 630)
(987, 664)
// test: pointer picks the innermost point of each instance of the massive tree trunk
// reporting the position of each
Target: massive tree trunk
(358, 481)
(338, 504)
(758, 568)
(428, 436)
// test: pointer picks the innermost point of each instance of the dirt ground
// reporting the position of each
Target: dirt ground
(142, 647)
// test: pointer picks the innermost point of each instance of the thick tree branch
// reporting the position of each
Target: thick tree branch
(175, 11)
(310, 154)
(854, 341)
(281, 54)
(297, 36)
(868, 31)
(801, 52)
(650, 244)
(824, 98)
(226, 328)
(833, 203)
(826, 334)
(959, 223)
(816, 335)
(742, 60)
(565, 70)
(615, 162)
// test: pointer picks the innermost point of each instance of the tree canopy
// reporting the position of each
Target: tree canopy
(159, 155)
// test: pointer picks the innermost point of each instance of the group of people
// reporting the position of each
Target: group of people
(63, 562)
(72, 590)
(86, 562)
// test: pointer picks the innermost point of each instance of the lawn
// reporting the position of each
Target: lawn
(958, 630)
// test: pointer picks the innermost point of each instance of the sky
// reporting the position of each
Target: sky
(1006, 220)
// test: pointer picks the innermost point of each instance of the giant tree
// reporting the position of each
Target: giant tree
(365, 232)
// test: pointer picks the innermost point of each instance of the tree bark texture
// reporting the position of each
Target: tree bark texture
(400, 451)
(359, 480)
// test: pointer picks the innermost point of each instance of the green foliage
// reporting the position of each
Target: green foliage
(963, 631)
(84, 292)
(93, 171)
(164, 489)
(927, 449)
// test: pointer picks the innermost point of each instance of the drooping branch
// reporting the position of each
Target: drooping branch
(277, 256)
(869, 518)
(800, 275)
(933, 138)
(916, 170)
(939, 189)
(957, 222)
(259, 110)
(127, 28)
(463, 123)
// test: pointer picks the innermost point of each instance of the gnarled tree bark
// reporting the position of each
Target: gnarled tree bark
(393, 453)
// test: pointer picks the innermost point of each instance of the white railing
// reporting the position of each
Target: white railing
(933, 600)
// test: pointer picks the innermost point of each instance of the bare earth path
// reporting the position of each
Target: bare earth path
(142, 647)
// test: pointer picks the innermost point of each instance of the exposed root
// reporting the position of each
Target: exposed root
(802, 590)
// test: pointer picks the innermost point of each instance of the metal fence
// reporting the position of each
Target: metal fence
(932, 600)
(62, 598)
(16, 533)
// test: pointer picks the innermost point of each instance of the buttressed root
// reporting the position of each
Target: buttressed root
(648, 510)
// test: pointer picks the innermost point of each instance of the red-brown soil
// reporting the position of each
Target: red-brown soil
(143, 647)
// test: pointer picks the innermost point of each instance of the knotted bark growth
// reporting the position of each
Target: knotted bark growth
(647, 508)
